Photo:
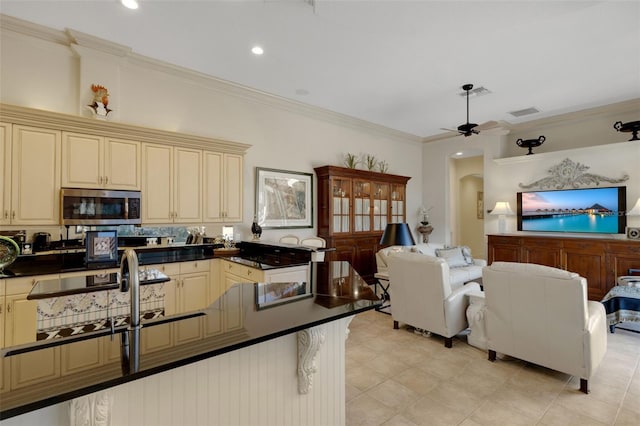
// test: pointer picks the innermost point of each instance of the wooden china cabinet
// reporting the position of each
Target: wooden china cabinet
(354, 207)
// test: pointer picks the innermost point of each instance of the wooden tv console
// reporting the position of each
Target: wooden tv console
(599, 260)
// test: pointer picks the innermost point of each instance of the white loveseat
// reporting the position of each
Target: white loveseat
(458, 274)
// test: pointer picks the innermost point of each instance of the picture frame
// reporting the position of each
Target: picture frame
(101, 249)
(268, 295)
(284, 199)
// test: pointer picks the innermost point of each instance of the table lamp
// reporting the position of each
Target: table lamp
(502, 209)
(397, 234)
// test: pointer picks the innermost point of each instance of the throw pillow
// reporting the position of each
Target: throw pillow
(466, 252)
(453, 256)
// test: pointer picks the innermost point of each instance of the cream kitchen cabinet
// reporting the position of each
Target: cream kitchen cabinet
(171, 184)
(35, 177)
(90, 161)
(222, 187)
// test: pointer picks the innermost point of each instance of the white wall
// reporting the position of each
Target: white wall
(45, 72)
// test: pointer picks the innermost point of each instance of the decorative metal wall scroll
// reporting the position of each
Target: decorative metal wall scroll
(570, 174)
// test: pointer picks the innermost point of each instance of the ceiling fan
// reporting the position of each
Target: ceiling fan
(468, 129)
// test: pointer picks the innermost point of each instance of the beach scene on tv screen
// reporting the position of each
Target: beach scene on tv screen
(580, 210)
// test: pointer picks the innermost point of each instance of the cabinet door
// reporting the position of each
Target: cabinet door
(380, 211)
(45, 365)
(5, 173)
(340, 206)
(171, 297)
(122, 164)
(156, 338)
(232, 187)
(590, 263)
(233, 306)
(503, 249)
(21, 320)
(35, 176)
(5, 364)
(222, 183)
(543, 252)
(212, 183)
(362, 206)
(398, 205)
(82, 161)
(81, 356)
(194, 293)
(3, 309)
(157, 184)
(187, 189)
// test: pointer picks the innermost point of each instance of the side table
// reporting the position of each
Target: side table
(475, 317)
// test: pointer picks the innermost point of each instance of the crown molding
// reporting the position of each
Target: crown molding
(91, 42)
(250, 94)
(32, 30)
(630, 105)
(70, 37)
(73, 123)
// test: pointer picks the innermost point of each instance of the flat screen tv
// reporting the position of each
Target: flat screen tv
(588, 210)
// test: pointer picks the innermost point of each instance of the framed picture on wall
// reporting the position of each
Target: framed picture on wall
(480, 205)
(284, 199)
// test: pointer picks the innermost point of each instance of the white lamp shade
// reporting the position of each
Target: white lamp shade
(502, 207)
(635, 211)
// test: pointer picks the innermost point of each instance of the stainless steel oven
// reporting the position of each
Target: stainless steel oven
(99, 207)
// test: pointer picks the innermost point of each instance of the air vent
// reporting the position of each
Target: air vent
(526, 111)
(478, 91)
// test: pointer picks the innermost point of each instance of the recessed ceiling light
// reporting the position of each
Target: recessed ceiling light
(130, 4)
(458, 153)
(257, 50)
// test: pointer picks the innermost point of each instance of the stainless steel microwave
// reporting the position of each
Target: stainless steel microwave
(99, 207)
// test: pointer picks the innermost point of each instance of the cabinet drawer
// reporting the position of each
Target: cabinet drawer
(242, 271)
(24, 285)
(170, 269)
(195, 266)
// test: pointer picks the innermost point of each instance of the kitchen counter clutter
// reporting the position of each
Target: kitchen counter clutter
(246, 314)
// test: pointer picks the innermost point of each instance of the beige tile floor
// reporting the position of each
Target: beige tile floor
(397, 377)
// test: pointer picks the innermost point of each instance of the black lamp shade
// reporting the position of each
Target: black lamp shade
(397, 234)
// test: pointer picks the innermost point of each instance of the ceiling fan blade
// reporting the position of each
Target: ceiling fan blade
(449, 130)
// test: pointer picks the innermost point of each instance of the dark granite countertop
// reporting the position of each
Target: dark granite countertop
(264, 311)
(259, 255)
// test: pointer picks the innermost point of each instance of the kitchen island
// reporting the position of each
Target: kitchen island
(265, 353)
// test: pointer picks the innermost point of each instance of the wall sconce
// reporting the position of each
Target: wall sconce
(502, 209)
(530, 143)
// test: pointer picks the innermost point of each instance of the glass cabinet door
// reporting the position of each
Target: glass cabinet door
(341, 209)
(362, 206)
(380, 206)
(397, 203)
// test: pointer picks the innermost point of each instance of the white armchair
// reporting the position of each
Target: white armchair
(541, 315)
(423, 298)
